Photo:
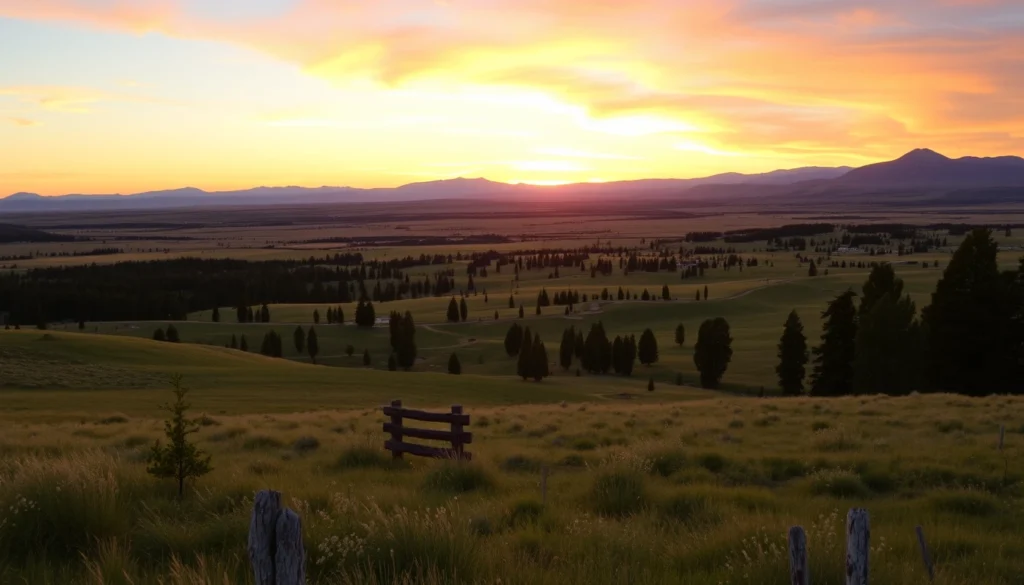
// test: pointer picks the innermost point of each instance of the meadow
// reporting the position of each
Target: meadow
(675, 485)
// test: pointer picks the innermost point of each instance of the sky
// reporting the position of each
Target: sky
(124, 96)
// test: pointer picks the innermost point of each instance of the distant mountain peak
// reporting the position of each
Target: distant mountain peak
(23, 195)
(923, 155)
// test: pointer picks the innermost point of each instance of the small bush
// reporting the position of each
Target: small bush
(688, 508)
(948, 426)
(206, 421)
(483, 422)
(263, 467)
(736, 424)
(713, 462)
(520, 464)
(584, 445)
(134, 441)
(767, 421)
(261, 442)
(780, 469)
(361, 457)
(838, 484)
(665, 463)
(965, 502)
(457, 477)
(618, 493)
(521, 513)
(835, 440)
(820, 425)
(306, 444)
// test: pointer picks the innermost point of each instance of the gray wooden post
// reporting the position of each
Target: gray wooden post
(456, 433)
(858, 542)
(290, 556)
(799, 573)
(265, 511)
(925, 556)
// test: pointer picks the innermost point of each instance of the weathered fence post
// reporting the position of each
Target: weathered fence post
(457, 432)
(396, 426)
(858, 544)
(275, 542)
(290, 556)
(799, 574)
(262, 527)
(925, 556)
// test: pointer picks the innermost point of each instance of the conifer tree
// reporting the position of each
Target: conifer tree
(813, 269)
(792, 356)
(216, 315)
(579, 345)
(299, 338)
(172, 334)
(511, 302)
(316, 316)
(180, 459)
(265, 314)
(243, 344)
(833, 359)
(513, 339)
(339, 316)
(680, 335)
(521, 311)
(405, 346)
(392, 363)
(366, 357)
(349, 350)
(617, 354)
(889, 346)
(312, 344)
(567, 348)
(665, 294)
(159, 335)
(234, 341)
(453, 311)
(524, 365)
(463, 309)
(647, 350)
(249, 315)
(539, 362)
(713, 351)
(705, 292)
(597, 350)
(454, 367)
(650, 384)
(629, 353)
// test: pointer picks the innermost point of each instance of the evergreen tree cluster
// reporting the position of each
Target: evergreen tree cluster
(271, 346)
(533, 358)
(335, 316)
(366, 315)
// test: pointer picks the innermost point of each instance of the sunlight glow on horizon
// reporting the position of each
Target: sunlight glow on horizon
(115, 96)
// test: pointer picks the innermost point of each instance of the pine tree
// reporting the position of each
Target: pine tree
(405, 348)
(243, 344)
(159, 335)
(454, 367)
(629, 352)
(172, 334)
(453, 311)
(617, 354)
(539, 362)
(833, 359)
(567, 347)
(680, 335)
(705, 292)
(974, 323)
(463, 309)
(665, 294)
(392, 363)
(713, 351)
(524, 365)
(537, 312)
(339, 316)
(234, 341)
(650, 384)
(250, 315)
(179, 459)
(597, 350)
(813, 269)
(511, 302)
(349, 350)
(216, 315)
(579, 345)
(513, 339)
(265, 314)
(312, 344)
(366, 357)
(889, 347)
(647, 350)
(792, 356)
(299, 338)
(316, 316)
(696, 296)
(521, 311)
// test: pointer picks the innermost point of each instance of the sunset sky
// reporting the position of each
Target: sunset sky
(106, 96)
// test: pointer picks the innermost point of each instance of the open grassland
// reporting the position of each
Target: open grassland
(755, 301)
(697, 492)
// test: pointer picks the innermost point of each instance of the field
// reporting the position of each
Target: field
(676, 485)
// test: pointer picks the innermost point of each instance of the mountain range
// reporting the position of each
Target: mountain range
(921, 171)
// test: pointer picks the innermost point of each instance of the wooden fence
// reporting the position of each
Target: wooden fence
(456, 435)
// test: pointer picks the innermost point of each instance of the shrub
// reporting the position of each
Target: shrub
(665, 463)
(457, 477)
(228, 434)
(736, 424)
(361, 457)
(520, 464)
(261, 442)
(306, 444)
(780, 469)
(113, 420)
(522, 513)
(838, 484)
(584, 445)
(573, 460)
(688, 508)
(819, 425)
(713, 462)
(948, 426)
(834, 439)
(618, 493)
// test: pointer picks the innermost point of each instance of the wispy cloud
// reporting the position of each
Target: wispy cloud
(24, 122)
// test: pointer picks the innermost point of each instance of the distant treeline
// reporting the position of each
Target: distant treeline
(786, 231)
(10, 233)
(411, 240)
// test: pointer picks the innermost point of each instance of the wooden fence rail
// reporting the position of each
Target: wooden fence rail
(456, 435)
